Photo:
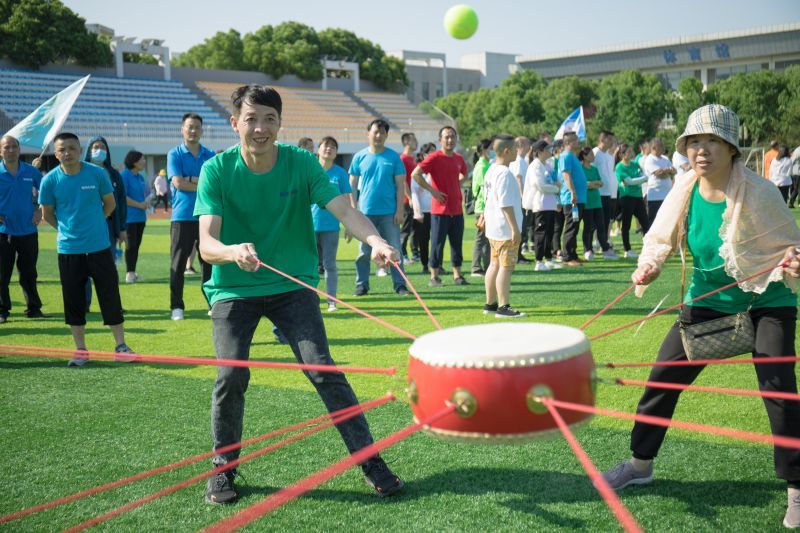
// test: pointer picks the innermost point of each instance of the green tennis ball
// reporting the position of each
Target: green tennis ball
(461, 21)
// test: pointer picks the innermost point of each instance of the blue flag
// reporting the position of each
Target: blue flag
(574, 123)
(39, 128)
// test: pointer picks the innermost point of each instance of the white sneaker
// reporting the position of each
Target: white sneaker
(130, 277)
(551, 265)
(588, 255)
(610, 254)
(209, 312)
(177, 314)
(381, 273)
(80, 359)
(408, 261)
(630, 254)
(541, 267)
(332, 307)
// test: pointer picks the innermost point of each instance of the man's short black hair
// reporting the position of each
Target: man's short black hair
(255, 94)
(406, 137)
(132, 158)
(606, 133)
(65, 136)
(441, 130)
(195, 116)
(329, 140)
(382, 124)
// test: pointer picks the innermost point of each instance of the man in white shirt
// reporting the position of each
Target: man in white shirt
(519, 167)
(503, 215)
(660, 173)
(604, 162)
(795, 177)
(680, 163)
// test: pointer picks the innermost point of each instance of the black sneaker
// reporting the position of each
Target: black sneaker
(220, 489)
(460, 281)
(425, 270)
(402, 291)
(378, 476)
(506, 311)
(35, 313)
(361, 291)
(489, 308)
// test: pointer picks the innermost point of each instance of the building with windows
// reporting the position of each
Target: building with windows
(708, 57)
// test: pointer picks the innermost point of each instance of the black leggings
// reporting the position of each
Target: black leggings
(134, 232)
(632, 207)
(594, 220)
(543, 223)
(422, 236)
(775, 331)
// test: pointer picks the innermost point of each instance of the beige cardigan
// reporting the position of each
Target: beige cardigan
(757, 228)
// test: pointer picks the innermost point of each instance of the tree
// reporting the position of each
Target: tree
(630, 104)
(789, 107)
(373, 63)
(36, 32)
(754, 97)
(563, 95)
(689, 97)
(222, 51)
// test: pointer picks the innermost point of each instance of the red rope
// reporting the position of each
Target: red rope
(173, 466)
(776, 440)
(269, 504)
(735, 392)
(678, 306)
(607, 307)
(755, 360)
(337, 417)
(335, 299)
(32, 351)
(624, 517)
(416, 294)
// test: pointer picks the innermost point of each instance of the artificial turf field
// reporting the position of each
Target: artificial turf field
(67, 429)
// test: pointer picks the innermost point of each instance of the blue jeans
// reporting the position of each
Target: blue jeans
(391, 233)
(329, 242)
(297, 315)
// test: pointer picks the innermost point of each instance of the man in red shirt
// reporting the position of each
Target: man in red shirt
(447, 170)
(409, 141)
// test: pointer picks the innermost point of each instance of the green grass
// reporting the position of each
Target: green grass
(69, 429)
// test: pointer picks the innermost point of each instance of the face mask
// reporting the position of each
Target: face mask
(99, 156)
(492, 155)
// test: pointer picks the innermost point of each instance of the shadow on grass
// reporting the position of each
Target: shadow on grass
(525, 494)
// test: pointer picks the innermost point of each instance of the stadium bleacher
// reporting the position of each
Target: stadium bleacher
(146, 113)
(117, 108)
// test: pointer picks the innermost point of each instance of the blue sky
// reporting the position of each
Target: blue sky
(512, 26)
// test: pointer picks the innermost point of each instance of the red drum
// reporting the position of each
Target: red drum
(496, 373)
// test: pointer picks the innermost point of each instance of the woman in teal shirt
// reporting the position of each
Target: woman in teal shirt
(593, 219)
(630, 179)
(759, 230)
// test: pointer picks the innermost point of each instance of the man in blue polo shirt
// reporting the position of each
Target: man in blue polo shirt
(19, 240)
(573, 197)
(378, 175)
(76, 199)
(183, 168)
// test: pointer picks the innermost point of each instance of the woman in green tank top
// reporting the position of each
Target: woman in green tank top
(717, 211)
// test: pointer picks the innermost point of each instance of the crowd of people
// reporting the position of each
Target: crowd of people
(262, 202)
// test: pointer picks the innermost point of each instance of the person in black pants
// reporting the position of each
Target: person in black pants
(19, 216)
(772, 238)
(183, 168)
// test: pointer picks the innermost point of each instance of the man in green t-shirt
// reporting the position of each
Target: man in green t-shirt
(254, 203)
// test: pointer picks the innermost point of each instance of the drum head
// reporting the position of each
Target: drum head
(499, 345)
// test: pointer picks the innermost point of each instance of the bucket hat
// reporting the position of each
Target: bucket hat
(713, 119)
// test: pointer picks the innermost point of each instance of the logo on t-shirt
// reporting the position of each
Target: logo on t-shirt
(88, 187)
(286, 194)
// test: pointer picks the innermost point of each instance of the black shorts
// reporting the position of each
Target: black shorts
(75, 270)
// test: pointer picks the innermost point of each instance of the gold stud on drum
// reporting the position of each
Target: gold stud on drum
(466, 404)
(413, 392)
(534, 398)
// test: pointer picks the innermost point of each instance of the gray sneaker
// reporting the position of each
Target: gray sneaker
(80, 359)
(792, 518)
(624, 474)
(123, 353)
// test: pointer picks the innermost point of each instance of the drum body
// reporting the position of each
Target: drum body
(496, 372)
